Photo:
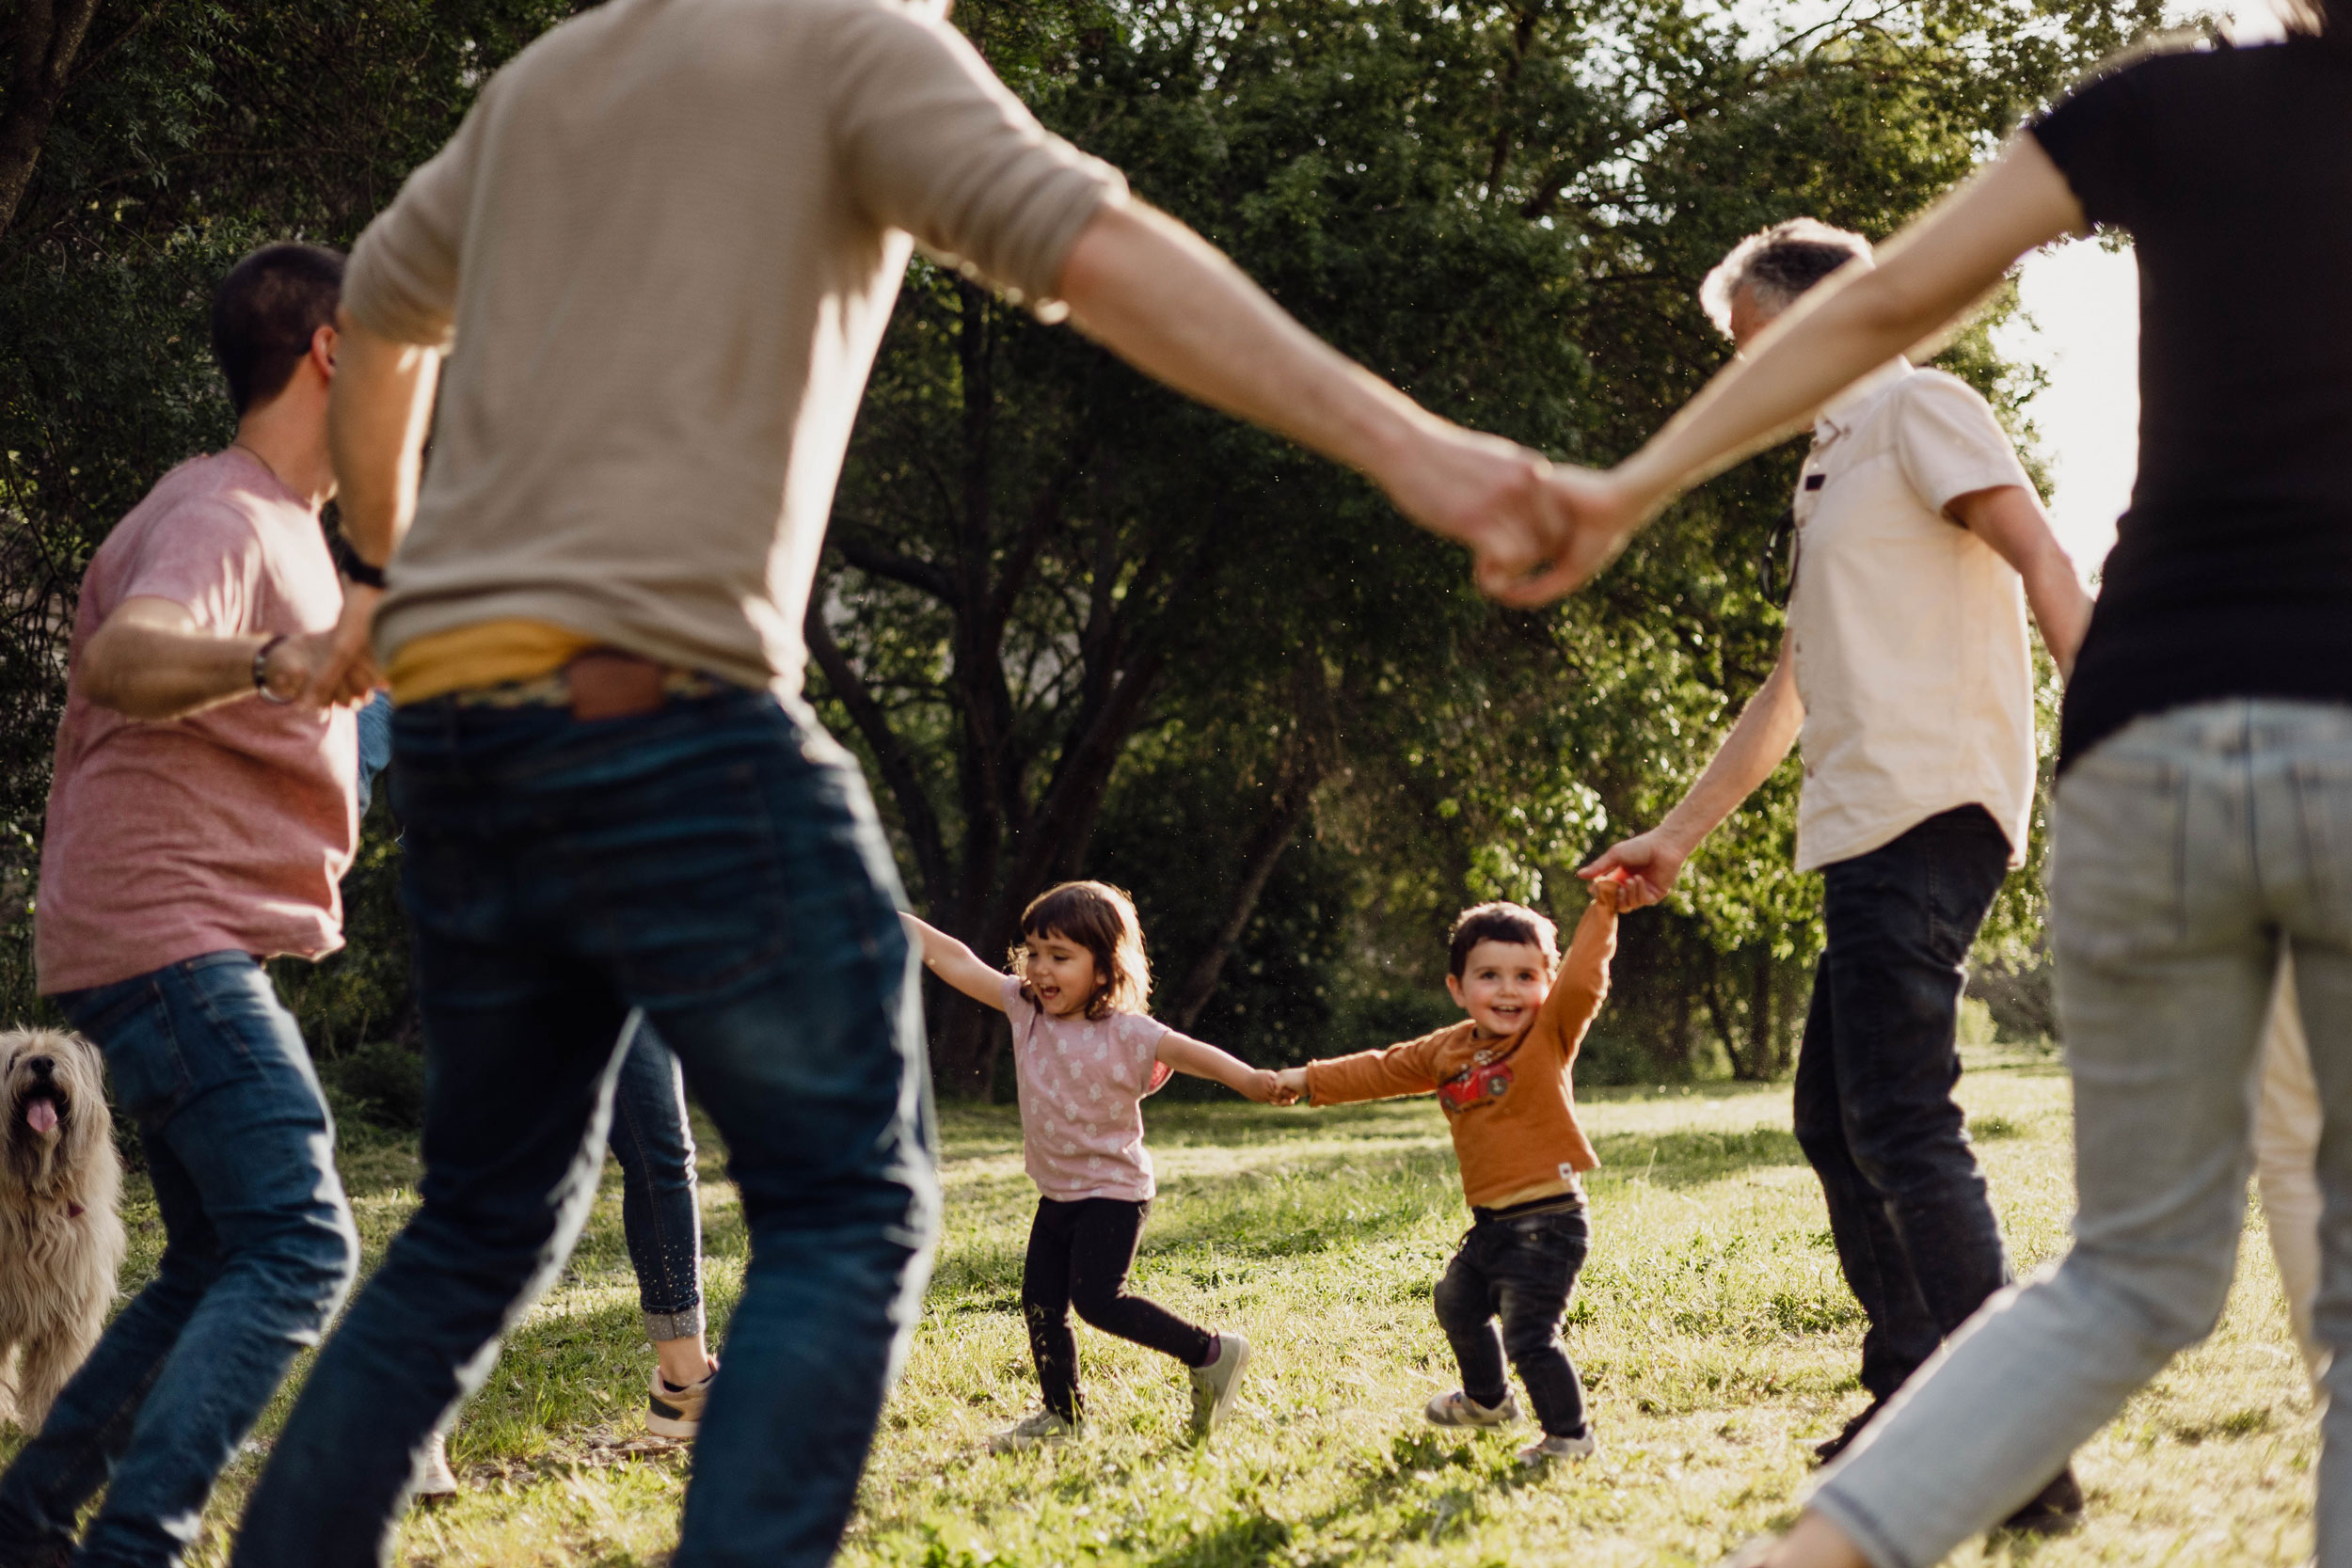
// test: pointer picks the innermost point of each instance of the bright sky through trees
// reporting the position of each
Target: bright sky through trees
(2080, 325)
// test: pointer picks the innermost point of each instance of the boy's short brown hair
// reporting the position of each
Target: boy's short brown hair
(1499, 922)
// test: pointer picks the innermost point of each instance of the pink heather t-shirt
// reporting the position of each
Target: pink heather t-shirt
(1082, 1086)
(228, 829)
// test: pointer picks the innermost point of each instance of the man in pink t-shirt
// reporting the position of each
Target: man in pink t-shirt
(200, 815)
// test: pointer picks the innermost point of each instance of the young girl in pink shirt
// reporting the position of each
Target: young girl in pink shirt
(1086, 1054)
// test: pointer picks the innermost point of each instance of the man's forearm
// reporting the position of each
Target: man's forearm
(1767, 728)
(2062, 608)
(148, 673)
(1843, 329)
(1166, 301)
(1174, 305)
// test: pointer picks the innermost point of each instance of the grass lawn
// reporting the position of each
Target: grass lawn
(1711, 1328)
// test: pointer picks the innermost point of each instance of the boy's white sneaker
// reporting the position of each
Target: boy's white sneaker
(1583, 1446)
(1213, 1385)
(1034, 1431)
(1455, 1408)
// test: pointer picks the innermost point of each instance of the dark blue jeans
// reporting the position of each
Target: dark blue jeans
(661, 1213)
(660, 1209)
(718, 864)
(258, 1251)
(1520, 1269)
(1874, 1110)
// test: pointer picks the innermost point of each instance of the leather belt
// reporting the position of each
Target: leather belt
(602, 683)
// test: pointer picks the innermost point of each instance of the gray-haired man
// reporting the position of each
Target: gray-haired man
(1906, 672)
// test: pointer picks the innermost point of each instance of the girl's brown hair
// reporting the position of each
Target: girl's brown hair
(1101, 919)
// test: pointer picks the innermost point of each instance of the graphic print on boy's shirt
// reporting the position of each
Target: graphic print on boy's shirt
(1081, 1081)
(1487, 1080)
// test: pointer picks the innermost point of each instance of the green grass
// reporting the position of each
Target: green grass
(1711, 1327)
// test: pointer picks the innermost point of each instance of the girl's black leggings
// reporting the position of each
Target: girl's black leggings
(1079, 1255)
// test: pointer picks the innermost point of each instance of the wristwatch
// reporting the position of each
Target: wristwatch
(260, 671)
(347, 560)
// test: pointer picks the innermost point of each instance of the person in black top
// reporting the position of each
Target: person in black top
(2204, 805)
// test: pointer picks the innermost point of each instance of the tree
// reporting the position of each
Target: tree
(143, 147)
(1040, 564)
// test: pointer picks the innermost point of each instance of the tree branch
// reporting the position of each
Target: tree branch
(869, 555)
(48, 35)
(890, 753)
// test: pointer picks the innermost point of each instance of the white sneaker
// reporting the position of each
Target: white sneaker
(677, 1413)
(1213, 1385)
(1033, 1432)
(1456, 1409)
(1560, 1447)
(435, 1478)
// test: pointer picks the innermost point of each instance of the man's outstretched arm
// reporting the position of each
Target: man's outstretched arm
(1837, 333)
(1768, 727)
(1174, 307)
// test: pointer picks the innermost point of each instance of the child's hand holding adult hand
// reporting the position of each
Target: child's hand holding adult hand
(1291, 1085)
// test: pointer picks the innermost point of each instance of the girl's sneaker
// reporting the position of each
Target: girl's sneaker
(677, 1413)
(435, 1478)
(1213, 1385)
(1033, 1431)
(1582, 1446)
(1457, 1409)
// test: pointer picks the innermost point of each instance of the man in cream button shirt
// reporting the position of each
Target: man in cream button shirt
(1907, 675)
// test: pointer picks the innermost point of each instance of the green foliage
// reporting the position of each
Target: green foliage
(1079, 624)
(191, 132)
(1075, 615)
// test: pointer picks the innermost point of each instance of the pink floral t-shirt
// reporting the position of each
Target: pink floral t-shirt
(1082, 1086)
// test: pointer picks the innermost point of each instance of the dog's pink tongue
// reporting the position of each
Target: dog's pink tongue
(40, 1116)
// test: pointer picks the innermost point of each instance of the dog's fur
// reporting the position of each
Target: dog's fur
(60, 1237)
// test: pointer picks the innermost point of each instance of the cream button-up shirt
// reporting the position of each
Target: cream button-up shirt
(1908, 632)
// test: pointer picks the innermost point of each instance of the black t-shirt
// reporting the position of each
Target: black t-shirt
(2231, 576)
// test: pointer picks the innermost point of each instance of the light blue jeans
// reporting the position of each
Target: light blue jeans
(2187, 850)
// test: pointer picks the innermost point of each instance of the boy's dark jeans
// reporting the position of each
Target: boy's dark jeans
(718, 864)
(1874, 1110)
(1519, 1267)
(1079, 1255)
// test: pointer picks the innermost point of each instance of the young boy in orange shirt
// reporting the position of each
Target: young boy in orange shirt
(1503, 1079)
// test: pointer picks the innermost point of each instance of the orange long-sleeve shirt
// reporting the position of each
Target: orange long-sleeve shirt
(1515, 1132)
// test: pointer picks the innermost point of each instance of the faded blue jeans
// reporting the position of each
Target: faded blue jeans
(2187, 850)
(718, 864)
(258, 1251)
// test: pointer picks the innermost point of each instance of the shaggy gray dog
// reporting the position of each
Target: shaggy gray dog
(60, 1239)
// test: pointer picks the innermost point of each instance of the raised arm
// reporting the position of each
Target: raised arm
(1171, 304)
(1839, 332)
(1768, 727)
(955, 963)
(1583, 984)
(376, 419)
(2010, 518)
(1183, 1054)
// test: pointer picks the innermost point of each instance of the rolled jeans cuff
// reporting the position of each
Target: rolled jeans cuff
(1860, 1527)
(674, 1325)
